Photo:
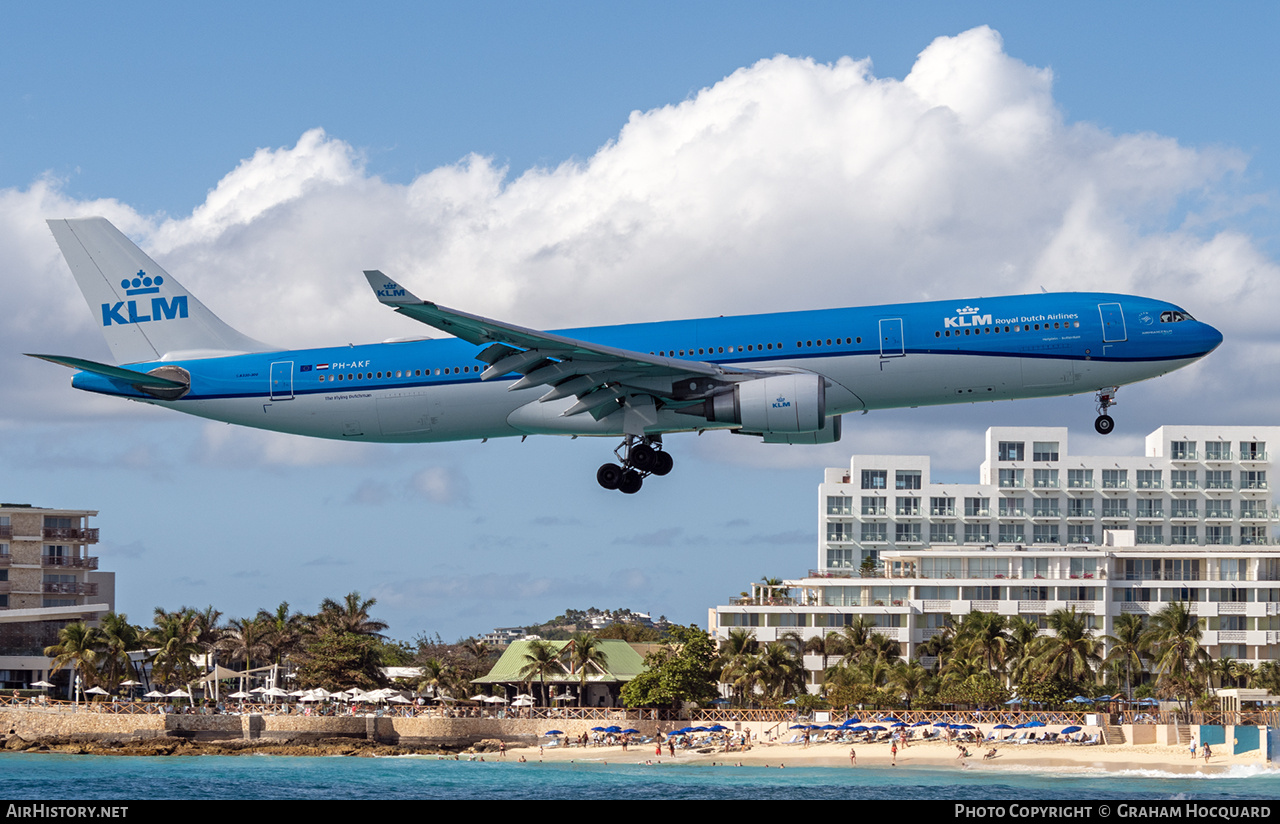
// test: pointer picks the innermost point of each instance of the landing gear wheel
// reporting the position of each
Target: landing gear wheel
(642, 457)
(610, 476)
(662, 463)
(631, 482)
(1104, 424)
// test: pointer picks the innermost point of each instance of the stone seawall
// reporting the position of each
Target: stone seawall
(33, 724)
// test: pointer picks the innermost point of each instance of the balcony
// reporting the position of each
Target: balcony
(69, 589)
(1253, 457)
(71, 535)
(88, 562)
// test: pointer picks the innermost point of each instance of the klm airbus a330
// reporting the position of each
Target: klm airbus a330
(785, 377)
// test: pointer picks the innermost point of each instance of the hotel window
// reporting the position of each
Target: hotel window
(1010, 478)
(1032, 593)
(1217, 509)
(1217, 535)
(1011, 450)
(977, 507)
(942, 506)
(977, 534)
(839, 531)
(1149, 508)
(1035, 567)
(907, 479)
(1141, 569)
(982, 593)
(1232, 569)
(1044, 451)
(1182, 508)
(1080, 507)
(1045, 534)
(1182, 450)
(1149, 479)
(840, 558)
(1217, 451)
(1115, 479)
(1217, 479)
(875, 478)
(1012, 534)
(1184, 594)
(940, 568)
(1253, 450)
(1045, 478)
(1182, 569)
(1045, 508)
(1252, 509)
(1149, 534)
(874, 532)
(988, 567)
(1253, 480)
(1253, 536)
(1080, 534)
(942, 533)
(873, 506)
(1115, 508)
(1182, 535)
(1080, 478)
(1182, 479)
(906, 506)
(1012, 507)
(839, 505)
(1133, 594)
(1229, 596)
(906, 533)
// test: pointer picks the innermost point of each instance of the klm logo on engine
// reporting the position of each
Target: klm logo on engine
(966, 316)
(782, 403)
(129, 311)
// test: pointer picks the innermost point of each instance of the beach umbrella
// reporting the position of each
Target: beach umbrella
(1080, 699)
(632, 731)
(553, 732)
(1071, 729)
(1002, 727)
(921, 724)
(96, 691)
(44, 685)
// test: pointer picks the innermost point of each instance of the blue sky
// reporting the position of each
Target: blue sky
(193, 128)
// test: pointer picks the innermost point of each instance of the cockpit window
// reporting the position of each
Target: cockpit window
(1175, 317)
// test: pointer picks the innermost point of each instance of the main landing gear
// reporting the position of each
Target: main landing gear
(1106, 399)
(639, 457)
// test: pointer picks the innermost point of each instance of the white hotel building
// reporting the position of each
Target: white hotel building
(1192, 520)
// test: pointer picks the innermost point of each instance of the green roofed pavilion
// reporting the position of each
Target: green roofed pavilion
(516, 671)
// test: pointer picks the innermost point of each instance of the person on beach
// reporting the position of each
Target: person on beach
(853, 758)
(1207, 752)
(893, 754)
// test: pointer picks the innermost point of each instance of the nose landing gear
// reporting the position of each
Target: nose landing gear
(1106, 399)
(639, 458)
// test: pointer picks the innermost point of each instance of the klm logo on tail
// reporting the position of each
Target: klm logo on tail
(141, 284)
(390, 290)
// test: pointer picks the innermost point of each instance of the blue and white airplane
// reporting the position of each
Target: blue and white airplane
(786, 377)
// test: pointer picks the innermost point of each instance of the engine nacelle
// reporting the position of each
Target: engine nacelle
(780, 403)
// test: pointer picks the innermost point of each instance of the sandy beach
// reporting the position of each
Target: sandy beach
(938, 755)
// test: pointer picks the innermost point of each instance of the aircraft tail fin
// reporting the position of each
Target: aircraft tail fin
(145, 313)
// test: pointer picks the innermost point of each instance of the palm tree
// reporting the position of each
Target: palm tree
(1174, 641)
(1126, 648)
(284, 632)
(909, 680)
(541, 658)
(117, 638)
(246, 639)
(1072, 651)
(174, 640)
(350, 616)
(584, 654)
(77, 646)
(737, 650)
(781, 672)
(984, 634)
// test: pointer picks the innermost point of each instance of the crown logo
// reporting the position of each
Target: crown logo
(141, 284)
(967, 310)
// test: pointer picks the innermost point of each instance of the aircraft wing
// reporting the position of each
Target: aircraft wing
(594, 373)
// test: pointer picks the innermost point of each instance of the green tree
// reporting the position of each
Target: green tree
(77, 647)
(350, 615)
(541, 659)
(338, 661)
(584, 654)
(681, 671)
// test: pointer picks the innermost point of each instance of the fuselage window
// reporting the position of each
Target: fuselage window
(322, 378)
(808, 343)
(937, 334)
(828, 341)
(859, 339)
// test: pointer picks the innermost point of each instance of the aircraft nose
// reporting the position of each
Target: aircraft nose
(1211, 337)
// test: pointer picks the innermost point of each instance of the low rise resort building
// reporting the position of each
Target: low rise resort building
(48, 579)
(1192, 520)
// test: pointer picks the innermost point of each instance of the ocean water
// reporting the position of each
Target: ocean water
(51, 778)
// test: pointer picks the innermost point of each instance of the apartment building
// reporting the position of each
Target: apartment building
(1190, 520)
(47, 580)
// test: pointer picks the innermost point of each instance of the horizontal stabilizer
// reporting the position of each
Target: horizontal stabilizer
(139, 379)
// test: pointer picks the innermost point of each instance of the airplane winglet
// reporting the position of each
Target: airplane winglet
(388, 291)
